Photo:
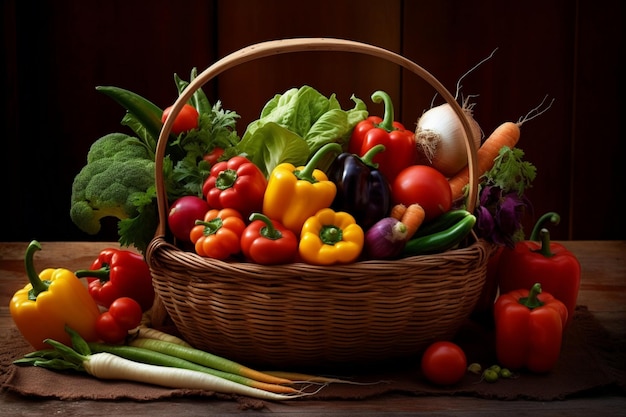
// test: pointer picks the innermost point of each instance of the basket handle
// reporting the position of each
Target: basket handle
(276, 47)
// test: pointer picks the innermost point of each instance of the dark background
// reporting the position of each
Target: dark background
(56, 52)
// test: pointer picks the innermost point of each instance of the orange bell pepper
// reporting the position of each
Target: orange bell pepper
(219, 234)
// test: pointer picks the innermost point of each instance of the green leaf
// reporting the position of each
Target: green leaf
(298, 114)
(273, 144)
(78, 343)
(142, 133)
(510, 172)
(138, 231)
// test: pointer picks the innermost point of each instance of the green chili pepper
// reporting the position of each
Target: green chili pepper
(199, 100)
(146, 112)
(441, 241)
(442, 222)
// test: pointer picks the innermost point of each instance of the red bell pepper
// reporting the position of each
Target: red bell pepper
(119, 273)
(529, 329)
(236, 183)
(400, 149)
(267, 242)
(548, 263)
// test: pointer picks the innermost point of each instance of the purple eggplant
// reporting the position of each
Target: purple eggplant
(362, 190)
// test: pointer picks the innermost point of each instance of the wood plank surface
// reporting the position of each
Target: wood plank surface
(603, 291)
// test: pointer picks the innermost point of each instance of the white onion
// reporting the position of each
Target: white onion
(440, 137)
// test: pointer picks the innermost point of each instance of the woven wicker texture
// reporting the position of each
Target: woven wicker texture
(302, 314)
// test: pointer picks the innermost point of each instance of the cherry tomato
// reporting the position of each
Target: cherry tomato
(183, 215)
(109, 330)
(126, 312)
(423, 185)
(444, 363)
(186, 120)
(213, 157)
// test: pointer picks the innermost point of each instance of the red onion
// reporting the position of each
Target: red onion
(385, 239)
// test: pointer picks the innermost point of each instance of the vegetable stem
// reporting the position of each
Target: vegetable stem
(268, 231)
(387, 123)
(307, 172)
(38, 285)
(532, 301)
(368, 158)
(151, 357)
(553, 217)
(207, 359)
(545, 249)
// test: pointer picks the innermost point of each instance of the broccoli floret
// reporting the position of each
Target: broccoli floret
(118, 174)
(118, 146)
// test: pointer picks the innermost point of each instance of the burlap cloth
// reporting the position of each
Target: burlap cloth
(591, 362)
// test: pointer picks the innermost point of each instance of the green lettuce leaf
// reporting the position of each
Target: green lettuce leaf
(273, 144)
(335, 125)
(294, 125)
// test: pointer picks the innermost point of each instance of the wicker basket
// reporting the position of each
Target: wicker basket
(300, 314)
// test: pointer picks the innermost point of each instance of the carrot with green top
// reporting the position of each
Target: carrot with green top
(507, 134)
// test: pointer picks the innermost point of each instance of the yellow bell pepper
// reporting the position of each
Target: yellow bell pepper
(53, 299)
(331, 237)
(295, 194)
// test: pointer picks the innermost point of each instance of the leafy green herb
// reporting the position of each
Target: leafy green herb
(510, 172)
(216, 129)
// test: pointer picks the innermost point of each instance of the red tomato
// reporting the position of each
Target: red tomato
(183, 215)
(213, 157)
(444, 363)
(126, 312)
(109, 330)
(423, 185)
(186, 120)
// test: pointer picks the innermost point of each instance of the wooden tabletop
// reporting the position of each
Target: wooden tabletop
(603, 291)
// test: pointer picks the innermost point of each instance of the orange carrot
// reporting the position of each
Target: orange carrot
(507, 134)
(398, 211)
(413, 218)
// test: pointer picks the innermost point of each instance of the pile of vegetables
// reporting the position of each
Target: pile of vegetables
(306, 182)
(99, 329)
(167, 363)
(76, 328)
(324, 184)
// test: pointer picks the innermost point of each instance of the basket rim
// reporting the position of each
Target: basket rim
(160, 248)
(276, 47)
